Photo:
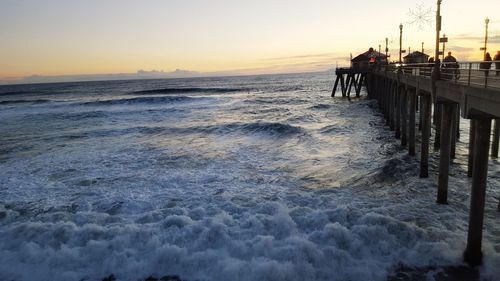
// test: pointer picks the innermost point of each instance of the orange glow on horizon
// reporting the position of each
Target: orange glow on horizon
(226, 37)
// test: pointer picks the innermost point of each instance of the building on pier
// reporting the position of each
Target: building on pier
(362, 61)
(416, 57)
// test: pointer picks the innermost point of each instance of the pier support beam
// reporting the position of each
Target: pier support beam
(425, 110)
(404, 116)
(420, 119)
(437, 135)
(472, 139)
(496, 137)
(412, 126)
(397, 113)
(391, 102)
(454, 129)
(448, 112)
(335, 85)
(473, 255)
(342, 84)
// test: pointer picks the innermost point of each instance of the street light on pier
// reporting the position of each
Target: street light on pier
(438, 29)
(386, 47)
(400, 41)
(486, 21)
(444, 40)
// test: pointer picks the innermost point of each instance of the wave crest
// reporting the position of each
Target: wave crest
(139, 100)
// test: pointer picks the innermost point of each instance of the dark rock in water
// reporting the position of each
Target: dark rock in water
(164, 278)
(170, 278)
(3, 215)
(448, 273)
(109, 278)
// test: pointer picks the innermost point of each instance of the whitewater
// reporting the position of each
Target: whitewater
(237, 178)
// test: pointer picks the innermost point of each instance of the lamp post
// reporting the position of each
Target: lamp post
(400, 41)
(386, 47)
(438, 29)
(444, 40)
(486, 21)
(422, 47)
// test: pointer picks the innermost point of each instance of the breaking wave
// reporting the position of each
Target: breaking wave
(143, 100)
(190, 90)
(245, 129)
(10, 102)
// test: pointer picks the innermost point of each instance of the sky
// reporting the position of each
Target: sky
(83, 37)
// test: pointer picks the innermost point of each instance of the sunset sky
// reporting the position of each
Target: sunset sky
(72, 37)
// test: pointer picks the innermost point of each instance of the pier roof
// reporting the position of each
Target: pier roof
(368, 54)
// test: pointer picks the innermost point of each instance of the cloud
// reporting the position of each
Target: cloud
(140, 74)
(161, 73)
(307, 56)
(493, 38)
(460, 48)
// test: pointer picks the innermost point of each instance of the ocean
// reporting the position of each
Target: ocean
(236, 178)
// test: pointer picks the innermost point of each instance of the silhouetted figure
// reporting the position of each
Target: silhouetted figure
(372, 55)
(486, 65)
(497, 63)
(450, 67)
(429, 66)
(449, 58)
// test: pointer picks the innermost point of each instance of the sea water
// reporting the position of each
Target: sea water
(237, 178)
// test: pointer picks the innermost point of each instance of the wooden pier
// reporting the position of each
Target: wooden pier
(399, 89)
(349, 77)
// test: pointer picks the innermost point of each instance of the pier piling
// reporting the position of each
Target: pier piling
(447, 115)
(472, 139)
(412, 126)
(397, 113)
(473, 255)
(426, 131)
(496, 137)
(404, 117)
(437, 136)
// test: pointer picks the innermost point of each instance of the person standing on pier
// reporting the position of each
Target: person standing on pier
(486, 65)
(450, 66)
(449, 58)
(497, 63)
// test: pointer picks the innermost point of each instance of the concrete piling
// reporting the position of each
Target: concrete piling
(404, 116)
(473, 254)
(426, 131)
(437, 124)
(447, 115)
(496, 137)
(412, 126)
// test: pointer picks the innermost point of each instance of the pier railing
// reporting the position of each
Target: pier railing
(473, 73)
